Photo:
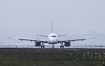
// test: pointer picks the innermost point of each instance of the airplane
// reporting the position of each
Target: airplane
(53, 39)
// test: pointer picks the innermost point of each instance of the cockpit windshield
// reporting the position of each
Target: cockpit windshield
(53, 36)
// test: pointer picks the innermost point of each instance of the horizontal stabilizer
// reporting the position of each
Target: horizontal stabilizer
(42, 35)
(61, 35)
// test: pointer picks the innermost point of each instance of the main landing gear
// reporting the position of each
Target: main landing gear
(42, 46)
(62, 46)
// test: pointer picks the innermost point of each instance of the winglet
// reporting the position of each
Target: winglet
(51, 25)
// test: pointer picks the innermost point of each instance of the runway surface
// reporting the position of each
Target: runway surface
(50, 46)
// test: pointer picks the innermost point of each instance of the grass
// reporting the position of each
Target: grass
(50, 57)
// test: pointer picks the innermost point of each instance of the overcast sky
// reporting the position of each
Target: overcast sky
(71, 17)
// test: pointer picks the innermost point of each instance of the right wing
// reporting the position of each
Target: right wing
(28, 39)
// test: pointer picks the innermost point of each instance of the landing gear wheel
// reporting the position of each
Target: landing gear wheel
(52, 46)
(61, 46)
(42, 46)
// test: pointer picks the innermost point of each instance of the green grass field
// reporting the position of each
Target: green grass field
(51, 57)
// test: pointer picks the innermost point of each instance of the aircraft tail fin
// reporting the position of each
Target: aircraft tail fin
(51, 26)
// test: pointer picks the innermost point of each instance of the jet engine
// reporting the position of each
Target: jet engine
(37, 43)
(67, 43)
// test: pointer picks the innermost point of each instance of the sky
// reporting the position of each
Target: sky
(26, 18)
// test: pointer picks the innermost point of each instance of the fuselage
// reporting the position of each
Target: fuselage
(52, 38)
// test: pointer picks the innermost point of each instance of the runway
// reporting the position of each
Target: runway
(50, 46)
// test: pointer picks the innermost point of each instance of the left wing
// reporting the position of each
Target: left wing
(80, 39)
(76, 39)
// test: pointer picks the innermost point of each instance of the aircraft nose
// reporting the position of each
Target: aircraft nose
(53, 40)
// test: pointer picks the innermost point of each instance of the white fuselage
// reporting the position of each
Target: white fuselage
(52, 38)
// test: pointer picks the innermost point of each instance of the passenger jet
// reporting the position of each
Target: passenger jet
(53, 39)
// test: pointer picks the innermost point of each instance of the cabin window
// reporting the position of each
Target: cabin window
(53, 36)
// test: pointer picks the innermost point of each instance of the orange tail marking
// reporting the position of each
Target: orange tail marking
(51, 25)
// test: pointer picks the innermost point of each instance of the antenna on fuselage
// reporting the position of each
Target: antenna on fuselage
(51, 26)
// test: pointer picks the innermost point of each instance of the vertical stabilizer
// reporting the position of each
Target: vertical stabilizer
(51, 26)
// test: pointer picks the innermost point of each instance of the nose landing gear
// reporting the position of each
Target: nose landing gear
(62, 46)
(52, 45)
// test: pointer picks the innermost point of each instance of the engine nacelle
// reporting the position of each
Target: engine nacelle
(37, 43)
(67, 43)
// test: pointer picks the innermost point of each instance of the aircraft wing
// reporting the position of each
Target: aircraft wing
(76, 39)
(27, 39)
(30, 39)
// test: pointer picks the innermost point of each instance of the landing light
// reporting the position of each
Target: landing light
(2, 44)
(72, 45)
